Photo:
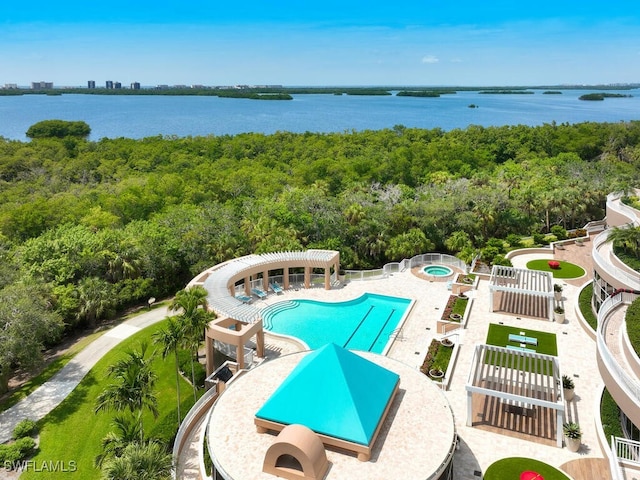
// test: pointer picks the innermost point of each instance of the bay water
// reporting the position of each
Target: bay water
(139, 116)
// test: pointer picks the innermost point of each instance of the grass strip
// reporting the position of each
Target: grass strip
(498, 335)
(584, 303)
(565, 270)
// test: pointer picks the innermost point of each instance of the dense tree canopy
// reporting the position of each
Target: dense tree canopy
(107, 224)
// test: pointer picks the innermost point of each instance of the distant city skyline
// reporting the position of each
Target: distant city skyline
(329, 43)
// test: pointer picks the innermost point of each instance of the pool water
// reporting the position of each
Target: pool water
(365, 323)
(437, 270)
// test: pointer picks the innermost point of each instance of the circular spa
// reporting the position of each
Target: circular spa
(377, 418)
(437, 271)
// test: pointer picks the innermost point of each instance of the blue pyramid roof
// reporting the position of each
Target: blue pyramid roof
(333, 392)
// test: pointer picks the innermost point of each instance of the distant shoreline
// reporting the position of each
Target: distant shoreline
(284, 93)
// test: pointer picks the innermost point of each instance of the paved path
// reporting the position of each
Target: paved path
(49, 395)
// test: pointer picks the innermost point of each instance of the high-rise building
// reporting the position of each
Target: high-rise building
(41, 85)
(117, 85)
(108, 85)
(135, 86)
(91, 84)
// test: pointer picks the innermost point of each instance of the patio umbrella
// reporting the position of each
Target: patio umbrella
(529, 475)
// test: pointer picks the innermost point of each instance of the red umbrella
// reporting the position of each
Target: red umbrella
(529, 475)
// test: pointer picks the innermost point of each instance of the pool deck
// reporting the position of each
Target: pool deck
(479, 448)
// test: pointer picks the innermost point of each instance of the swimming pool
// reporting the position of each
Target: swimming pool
(364, 323)
(438, 270)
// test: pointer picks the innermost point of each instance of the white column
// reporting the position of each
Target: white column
(469, 408)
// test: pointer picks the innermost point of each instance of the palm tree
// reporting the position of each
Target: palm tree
(627, 236)
(140, 461)
(170, 338)
(133, 387)
(188, 300)
(195, 318)
(114, 443)
(95, 299)
(194, 329)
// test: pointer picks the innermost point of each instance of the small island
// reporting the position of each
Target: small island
(602, 96)
(506, 92)
(421, 93)
(552, 92)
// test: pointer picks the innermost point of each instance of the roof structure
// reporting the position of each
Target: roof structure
(524, 283)
(220, 278)
(519, 378)
(334, 392)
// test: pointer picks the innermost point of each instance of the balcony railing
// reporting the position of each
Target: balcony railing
(614, 202)
(628, 383)
(630, 279)
(623, 452)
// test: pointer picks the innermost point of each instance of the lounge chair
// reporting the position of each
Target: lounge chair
(244, 298)
(259, 293)
(276, 288)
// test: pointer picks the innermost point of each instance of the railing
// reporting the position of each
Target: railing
(626, 450)
(632, 281)
(395, 267)
(622, 451)
(204, 402)
(614, 202)
(629, 384)
(614, 462)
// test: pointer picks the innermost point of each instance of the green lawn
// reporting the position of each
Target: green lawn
(566, 270)
(498, 335)
(72, 431)
(511, 468)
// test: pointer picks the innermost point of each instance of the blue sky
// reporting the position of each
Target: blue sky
(322, 43)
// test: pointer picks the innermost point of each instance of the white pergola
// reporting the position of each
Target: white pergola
(518, 379)
(219, 281)
(523, 283)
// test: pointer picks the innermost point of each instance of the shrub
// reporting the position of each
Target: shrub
(538, 239)
(19, 450)
(559, 232)
(489, 253)
(497, 243)
(502, 260)
(25, 428)
(514, 240)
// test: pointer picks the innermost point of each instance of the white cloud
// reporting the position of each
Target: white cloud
(430, 59)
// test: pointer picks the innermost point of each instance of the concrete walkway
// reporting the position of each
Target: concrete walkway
(49, 395)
